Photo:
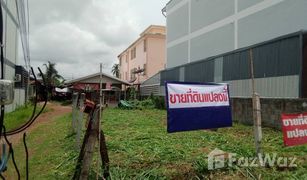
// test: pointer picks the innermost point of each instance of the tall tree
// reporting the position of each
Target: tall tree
(52, 76)
(115, 70)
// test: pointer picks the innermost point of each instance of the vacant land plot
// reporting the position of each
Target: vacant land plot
(140, 148)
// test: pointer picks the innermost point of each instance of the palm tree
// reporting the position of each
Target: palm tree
(115, 70)
(52, 76)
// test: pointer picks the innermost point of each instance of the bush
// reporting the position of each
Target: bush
(145, 104)
(152, 102)
(159, 102)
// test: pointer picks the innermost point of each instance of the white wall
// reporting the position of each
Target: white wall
(197, 29)
(11, 40)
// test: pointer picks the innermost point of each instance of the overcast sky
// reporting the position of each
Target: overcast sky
(79, 34)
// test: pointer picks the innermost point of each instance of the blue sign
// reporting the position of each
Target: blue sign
(194, 106)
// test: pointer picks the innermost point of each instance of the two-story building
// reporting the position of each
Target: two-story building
(144, 57)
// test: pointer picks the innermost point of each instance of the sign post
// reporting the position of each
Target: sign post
(193, 106)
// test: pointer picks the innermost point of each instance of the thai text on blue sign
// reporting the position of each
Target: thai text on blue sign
(194, 106)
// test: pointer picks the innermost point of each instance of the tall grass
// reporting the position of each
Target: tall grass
(140, 148)
(18, 117)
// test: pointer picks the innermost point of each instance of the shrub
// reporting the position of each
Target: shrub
(159, 102)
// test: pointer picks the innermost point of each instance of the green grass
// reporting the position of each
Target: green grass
(139, 145)
(51, 149)
(140, 148)
(18, 117)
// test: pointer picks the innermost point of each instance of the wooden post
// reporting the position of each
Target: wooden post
(79, 120)
(74, 111)
(257, 123)
(82, 151)
(256, 108)
(104, 155)
(100, 114)
(89, 148)
(86, 153)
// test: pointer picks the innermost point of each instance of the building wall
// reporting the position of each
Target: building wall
(197, 29)
(277, 68)
(139, 61)
(155, 55)
(151, 57)
(11, 39)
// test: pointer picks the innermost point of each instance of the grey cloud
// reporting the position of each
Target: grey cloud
(80, 34)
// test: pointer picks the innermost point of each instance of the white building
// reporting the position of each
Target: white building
(197, 29)
(213, 40)
(15, 32)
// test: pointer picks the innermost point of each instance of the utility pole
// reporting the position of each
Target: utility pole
(256, 108)
(100, 113)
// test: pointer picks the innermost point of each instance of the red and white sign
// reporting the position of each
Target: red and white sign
(294, 128)
(197, 95)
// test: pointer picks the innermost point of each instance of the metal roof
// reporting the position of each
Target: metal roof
(98, 74)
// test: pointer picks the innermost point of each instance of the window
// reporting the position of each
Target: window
(144, 69)
(120, 61)
(133, 53)
(126, 74)
(145, 45)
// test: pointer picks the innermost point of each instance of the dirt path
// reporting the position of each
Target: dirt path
(54, 110)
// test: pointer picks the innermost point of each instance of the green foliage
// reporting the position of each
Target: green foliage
(159, 102)
(138, 142)
(144, 104)
(52, 151)
(52, 77)
(21, 115)
(140, 148)
(115, 70)
(131, 93)
(152, 102)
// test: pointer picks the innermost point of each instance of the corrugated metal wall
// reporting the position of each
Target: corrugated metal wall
(170, 75)
(304, 68)
(236, 66)
(204, 69)
(152, 86)
(277, 67)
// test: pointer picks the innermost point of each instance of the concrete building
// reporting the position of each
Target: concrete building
(15, 33)
(144, 57)
(211, 41)
(197, 29)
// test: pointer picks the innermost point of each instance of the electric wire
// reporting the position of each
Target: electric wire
(11, 151)
(24, 30)
(28, 34)
(29, 123)
(27, 156)
(2, 64)
(33, 112)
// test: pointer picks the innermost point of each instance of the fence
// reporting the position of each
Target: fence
(271, 109)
